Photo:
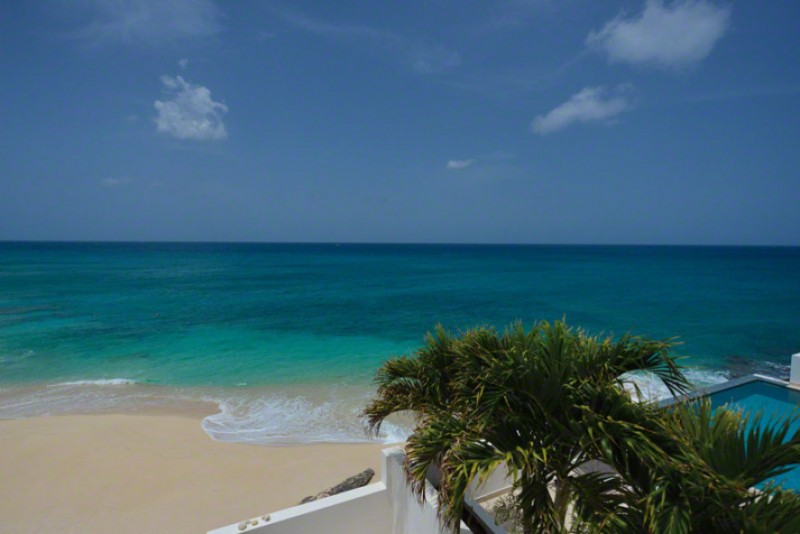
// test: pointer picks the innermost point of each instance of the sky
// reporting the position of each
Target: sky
(435, 121)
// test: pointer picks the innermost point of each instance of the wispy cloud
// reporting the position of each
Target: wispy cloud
(115, 182)
(428, 58)
(421, 55)
(513, 81)
(589, 105)
(183, 63)
(312, 25)
(680, 34)
(145, 22)
(458, 164)
(189, 112)
(512, 14)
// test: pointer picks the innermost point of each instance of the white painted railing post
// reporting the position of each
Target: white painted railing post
(794, 374)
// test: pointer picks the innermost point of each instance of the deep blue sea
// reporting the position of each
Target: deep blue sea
(286, 337)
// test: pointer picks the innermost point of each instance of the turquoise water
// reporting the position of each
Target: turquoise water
(300, 329)
(773, 402)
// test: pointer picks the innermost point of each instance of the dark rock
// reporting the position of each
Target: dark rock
(356, 481)
(738, 365)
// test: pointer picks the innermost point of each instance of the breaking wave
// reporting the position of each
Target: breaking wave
(100, 382)
(652, 389)
(277, 419)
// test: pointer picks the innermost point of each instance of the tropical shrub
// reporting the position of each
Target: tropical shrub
(546, 402)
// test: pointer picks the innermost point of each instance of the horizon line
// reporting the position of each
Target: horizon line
(384, 243)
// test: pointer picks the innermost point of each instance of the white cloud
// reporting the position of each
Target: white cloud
(590, 104)
(458, 164)
(183, 63)
(146, 22)
(189, 112)
(115, 182)
(674, 35)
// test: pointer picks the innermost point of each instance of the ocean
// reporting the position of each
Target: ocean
(285, 338)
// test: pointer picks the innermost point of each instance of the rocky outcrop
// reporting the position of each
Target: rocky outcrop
(356, 481)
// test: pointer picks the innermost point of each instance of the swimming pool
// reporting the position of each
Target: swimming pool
(770, 397)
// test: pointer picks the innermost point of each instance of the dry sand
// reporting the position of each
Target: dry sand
(153, 473)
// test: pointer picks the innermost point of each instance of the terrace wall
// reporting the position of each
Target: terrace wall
(386, 507)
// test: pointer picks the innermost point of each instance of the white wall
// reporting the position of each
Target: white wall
(498, 482)
(360, 510)
(408, 515)
(794, 373)
(386, 507)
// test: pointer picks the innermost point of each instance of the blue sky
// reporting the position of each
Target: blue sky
(514, 121)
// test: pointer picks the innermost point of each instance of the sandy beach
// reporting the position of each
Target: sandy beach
(153, 473)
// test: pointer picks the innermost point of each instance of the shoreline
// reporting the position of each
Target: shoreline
(155, 472)
(269, 415)
(285, 415)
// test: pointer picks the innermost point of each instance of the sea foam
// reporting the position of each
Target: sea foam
(278, 418)
(652, 388)
(99, 382)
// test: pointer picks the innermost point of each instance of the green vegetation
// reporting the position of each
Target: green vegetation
(546, 401)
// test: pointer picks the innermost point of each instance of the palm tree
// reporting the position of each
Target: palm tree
(704, 481)
(542, 402)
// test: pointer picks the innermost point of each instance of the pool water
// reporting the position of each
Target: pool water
(773, 401)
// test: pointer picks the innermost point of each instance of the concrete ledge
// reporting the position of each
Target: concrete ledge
(352, 511)
(385, 507)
